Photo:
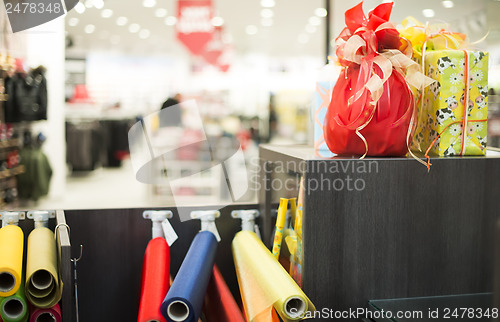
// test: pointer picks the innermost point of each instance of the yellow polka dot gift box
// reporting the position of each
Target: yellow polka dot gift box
(452, 112)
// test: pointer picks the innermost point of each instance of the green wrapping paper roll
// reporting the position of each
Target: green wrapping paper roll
(43, 281)
(11, 259)
(15, 308)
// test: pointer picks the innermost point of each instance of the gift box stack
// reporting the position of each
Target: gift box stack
(421, 88)
(452, 112)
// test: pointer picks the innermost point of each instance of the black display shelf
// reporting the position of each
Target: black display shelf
(387, 227)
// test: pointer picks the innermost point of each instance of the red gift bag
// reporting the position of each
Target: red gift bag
(372, 107)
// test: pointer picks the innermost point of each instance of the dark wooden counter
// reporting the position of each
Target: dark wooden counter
(386, 227)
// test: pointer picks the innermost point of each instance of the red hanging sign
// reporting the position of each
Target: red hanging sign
(214, 47)
(218, 52)
(225, 59)
(194, 24)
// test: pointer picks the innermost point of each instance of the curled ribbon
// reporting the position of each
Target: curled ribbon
(431, 37)
(374, 44)
(438, 37)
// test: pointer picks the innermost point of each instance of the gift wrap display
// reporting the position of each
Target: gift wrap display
(155, 280)
(452, 112)
(185, 297)
(29, 292)
(52, 314)
(43, 281)
(266, 287)
(11, 259)
(219, 305)
(14, 308)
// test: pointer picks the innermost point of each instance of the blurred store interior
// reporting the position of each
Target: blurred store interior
(111, 63)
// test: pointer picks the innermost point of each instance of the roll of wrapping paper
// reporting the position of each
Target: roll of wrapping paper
(264, 283)
(11, 259)
(219, 305)
(14, 308)
(52, 314)
(155, 280)
(43, 282)
(184, 300)
(296, 266)
(280, 224)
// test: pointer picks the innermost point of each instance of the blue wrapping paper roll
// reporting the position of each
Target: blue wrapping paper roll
(184, 299)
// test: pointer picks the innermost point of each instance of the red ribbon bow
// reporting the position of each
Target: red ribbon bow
(376, 31)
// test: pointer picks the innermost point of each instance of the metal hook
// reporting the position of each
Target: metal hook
(62, 225)
(75, 280)
(80, 257)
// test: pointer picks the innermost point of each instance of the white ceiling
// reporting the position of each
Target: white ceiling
(291, 17)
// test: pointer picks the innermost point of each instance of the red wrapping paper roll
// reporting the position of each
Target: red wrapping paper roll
(219, 304)
(46, 314)
(155, 280)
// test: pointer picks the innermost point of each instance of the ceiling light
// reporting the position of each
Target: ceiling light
(73, 21)
(98, 4)
(170, 20)
(267, 13)
(149, 3)
(267, 3)
(88, 4)
(80, 7)
(133, 28)
(320, 12)
(266, 22)
(251, 30)
(428, 13)
(217, 21)
(314, 21)
(121, 21)
(310, 29)
(89, 29)
(161, 12)
(448, 4)
(144, 33)
(106, 13)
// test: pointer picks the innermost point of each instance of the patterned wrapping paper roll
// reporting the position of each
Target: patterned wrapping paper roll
(14, 308)
(155, 280)
(264, 284)
(184, 300)
(11, 259)
(52, 314)
(43, 282)
(219, 305)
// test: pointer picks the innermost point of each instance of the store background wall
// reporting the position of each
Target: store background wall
(45, 46)
(139, 83)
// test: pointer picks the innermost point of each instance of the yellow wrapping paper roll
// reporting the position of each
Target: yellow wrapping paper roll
(43, 281)
(265, 284)
(11, 259)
